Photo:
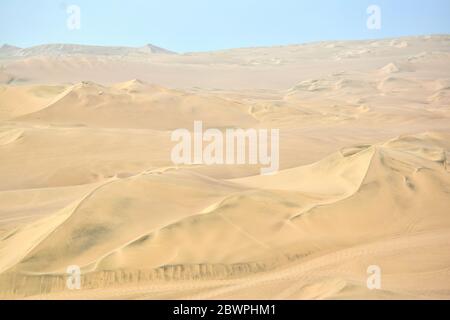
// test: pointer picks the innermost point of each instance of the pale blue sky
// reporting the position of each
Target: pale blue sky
(198, 25)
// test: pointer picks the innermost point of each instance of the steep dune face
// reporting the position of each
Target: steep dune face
(393, 199)
(84, 238)
(86, 176)
(379, 193)
(92, 105)
(17, 101)
(341, 173)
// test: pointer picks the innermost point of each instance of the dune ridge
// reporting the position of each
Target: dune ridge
(400, 165)
(86, 177)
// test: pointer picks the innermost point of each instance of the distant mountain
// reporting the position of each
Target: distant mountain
(150, 48)
(8, 50)
(74, 49)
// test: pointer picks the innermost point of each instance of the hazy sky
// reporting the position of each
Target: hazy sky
(197, 25)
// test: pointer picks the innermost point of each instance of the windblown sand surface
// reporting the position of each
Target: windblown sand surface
(86, 177)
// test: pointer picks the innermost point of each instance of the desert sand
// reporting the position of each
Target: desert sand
(86, 176)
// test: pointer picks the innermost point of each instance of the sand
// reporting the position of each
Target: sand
(86, 176)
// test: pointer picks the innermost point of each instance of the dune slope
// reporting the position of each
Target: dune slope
(87, 179)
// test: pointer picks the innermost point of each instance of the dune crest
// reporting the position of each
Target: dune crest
(295, 208)
(87, 178)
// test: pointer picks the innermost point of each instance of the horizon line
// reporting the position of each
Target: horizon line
(230, 48)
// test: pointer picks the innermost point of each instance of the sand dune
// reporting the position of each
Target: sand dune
(17, 101)
(214, 226)
(92, 105)
(390, 68)
(87, 179)
(278, 68)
